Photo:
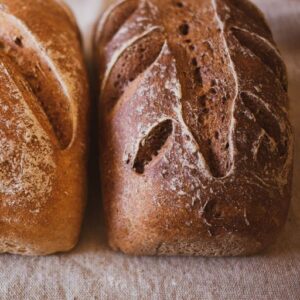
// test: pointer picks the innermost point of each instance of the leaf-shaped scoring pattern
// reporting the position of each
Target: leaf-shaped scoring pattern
(200, 132)
(267, 120)
(266, 100)
(130, 48)
(152, 144)
(140, 46)
(264, 50)
(131, 60)
(18, 43)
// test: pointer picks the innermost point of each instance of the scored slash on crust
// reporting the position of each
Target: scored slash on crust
(120, 51)
(243, 36)
(263, 49)
(45, 60)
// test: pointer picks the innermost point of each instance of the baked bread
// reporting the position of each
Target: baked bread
(43, 127)
(196, 146)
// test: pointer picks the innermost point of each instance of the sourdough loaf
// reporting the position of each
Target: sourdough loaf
(43, 126)
(196, 146)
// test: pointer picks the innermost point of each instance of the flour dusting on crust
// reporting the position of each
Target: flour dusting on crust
(224, 169)
(26, 153)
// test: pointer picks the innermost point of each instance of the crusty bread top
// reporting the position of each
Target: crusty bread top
(44, 101)
(47, 53)
(201, 88)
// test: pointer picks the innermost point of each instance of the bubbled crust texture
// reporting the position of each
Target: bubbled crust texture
(196, 146)
(43, 113)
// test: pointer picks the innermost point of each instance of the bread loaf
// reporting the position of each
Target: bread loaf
(43, 127)
(196, 146)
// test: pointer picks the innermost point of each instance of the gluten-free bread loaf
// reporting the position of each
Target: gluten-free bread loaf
(196, 146)
(43, 124)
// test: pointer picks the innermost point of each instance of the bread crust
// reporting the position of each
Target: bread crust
(196, 145)
(43, 129)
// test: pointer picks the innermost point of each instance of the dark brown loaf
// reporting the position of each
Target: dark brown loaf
(43, 125)
(196, 146)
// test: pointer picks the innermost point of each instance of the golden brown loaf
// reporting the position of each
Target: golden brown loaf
(43, 126)
(196, 145)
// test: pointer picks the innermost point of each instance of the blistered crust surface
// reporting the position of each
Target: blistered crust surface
(196, 144)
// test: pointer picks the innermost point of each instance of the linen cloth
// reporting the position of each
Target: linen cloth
(93, 271)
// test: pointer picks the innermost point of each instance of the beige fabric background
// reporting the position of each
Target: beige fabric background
(92, 271)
